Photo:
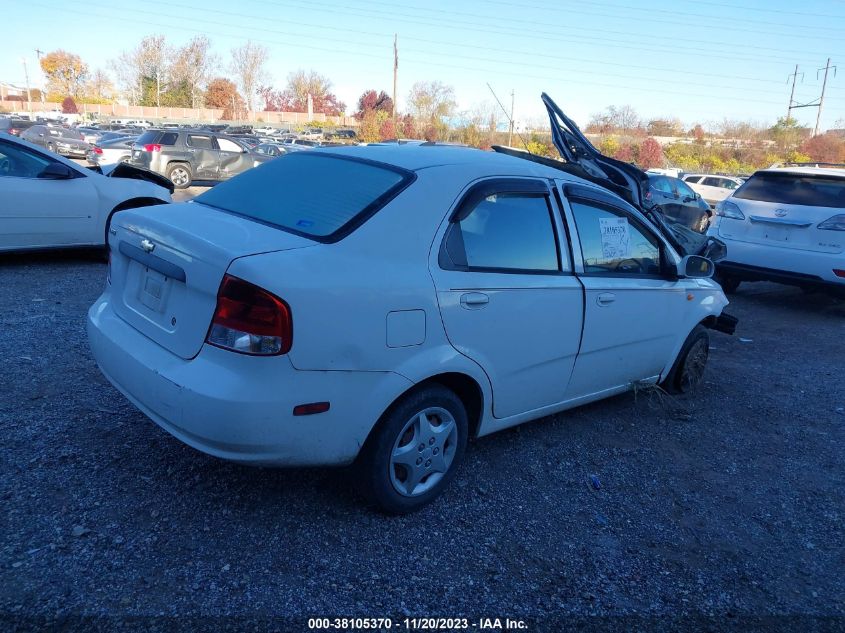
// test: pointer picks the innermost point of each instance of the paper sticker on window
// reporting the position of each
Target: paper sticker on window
(615, 238)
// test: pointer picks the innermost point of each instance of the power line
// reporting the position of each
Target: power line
(122, 17)
(452, 44)
(533, 32)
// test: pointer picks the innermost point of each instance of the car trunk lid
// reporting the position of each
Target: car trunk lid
(165, 274)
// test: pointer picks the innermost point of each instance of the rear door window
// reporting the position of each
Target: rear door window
(506, 232)
(200, 142)
(713, 182)
(692, 179)
(799, 189)
(321, 196)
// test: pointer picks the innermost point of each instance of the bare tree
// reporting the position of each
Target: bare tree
(128, 72)
(431, 101)
(99, 86)
(194, 64)
(149, 61)
(154, 56)
(248, 63)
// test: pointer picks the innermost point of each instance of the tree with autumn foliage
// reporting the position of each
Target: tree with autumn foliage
(69, 106)
(294, 98)
(65, 72)
(372, 101)
(650, 154)
(222, 93)
(825, 148)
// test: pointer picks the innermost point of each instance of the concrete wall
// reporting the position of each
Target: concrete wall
(175, 114)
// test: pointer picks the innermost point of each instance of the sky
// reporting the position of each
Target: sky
(702, 61)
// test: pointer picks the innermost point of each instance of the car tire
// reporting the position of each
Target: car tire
(687, 374)
(407, 462)
(180, 175)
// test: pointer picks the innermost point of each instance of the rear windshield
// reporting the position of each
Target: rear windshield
(321, 196)
(801, 189)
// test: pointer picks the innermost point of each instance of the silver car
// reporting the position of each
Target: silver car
(116, 150)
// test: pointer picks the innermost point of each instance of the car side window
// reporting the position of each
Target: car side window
(729, 184)
(713, 182)
(505, 232)
(200, 142)
(614, 243)
(226, 145)
(692, 179)
(684, 190)
(662, 185)
(19, 162)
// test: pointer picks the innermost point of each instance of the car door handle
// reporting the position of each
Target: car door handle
(605, 298)
(474, 300)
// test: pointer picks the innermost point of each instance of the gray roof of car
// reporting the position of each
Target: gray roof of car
(416, 157)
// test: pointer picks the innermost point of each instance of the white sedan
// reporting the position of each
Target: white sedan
(48, 201)
(392, 303)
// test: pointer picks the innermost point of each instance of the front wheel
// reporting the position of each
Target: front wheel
(414, 451)
(687, 373)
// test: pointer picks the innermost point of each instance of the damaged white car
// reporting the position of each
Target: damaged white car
(47, 201)
(381, 305)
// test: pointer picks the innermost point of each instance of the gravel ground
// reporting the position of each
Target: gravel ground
(725, 504)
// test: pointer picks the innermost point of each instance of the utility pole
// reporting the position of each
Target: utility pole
(510, 128)
(395, 74)
(28, 95)
(41, 87)
(826, 68)
(792, 94)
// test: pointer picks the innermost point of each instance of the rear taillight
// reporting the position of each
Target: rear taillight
(96, 150)
(152, 147)
(836, 223)
(250, 320)
(728, 209)
(14, 131)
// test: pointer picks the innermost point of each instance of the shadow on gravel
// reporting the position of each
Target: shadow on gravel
(768, 296)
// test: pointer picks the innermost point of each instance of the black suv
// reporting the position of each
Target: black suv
(184, 156)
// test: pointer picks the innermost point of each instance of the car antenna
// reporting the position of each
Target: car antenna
(510, 118)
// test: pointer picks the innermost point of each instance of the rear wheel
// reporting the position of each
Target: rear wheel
(415, 450)
(687, 373)
(180, 175)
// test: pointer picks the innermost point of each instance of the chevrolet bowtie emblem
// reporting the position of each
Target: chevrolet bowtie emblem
(148, 246)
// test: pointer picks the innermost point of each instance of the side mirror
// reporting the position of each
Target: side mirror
(56, 171)
(696, 267)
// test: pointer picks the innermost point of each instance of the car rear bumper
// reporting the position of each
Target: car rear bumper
(240, 407)
(759, 262)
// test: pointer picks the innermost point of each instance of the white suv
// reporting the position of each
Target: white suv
(785, 225)
(713, 189)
